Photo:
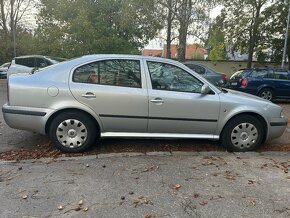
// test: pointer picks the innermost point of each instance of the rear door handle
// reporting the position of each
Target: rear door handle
(157, 100)
(89, 95)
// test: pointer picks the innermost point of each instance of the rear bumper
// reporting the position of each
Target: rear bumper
(26, 118)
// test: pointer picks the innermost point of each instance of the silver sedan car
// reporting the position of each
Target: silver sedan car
(77, 101)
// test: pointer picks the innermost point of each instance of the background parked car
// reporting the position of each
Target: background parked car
(28, 64)
(218, 79)
(4, 69)
(135, 96)
(267, 83)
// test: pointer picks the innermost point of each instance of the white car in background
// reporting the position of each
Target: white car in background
(31, 63)
(4, 69)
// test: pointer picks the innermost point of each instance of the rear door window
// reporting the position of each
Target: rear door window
(125, 73)
(259, 74)
(28, 62)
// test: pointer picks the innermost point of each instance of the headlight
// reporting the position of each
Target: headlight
(282, 114)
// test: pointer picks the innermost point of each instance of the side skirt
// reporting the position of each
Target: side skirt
(157, 135)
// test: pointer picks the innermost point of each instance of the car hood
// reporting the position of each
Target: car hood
(244, 96)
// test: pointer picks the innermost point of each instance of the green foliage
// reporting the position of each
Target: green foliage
(243, 24)
(216, 40)
(273, 30)
(72, 28)
(197, 56)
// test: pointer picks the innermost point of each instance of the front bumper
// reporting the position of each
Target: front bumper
(26, 118)
(277, 127)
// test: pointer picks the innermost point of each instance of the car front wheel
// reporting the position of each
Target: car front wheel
(242, 133)
(72, 132)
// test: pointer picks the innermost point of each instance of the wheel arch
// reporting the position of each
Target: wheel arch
(50, 119)
(265, 87)
(253, 114)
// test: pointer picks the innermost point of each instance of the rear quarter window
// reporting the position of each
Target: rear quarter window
(281, 75)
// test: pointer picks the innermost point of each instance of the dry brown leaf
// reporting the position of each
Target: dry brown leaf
(253, 202)
(202, 203)
(175, 186)
(250, 181)
(78, 208)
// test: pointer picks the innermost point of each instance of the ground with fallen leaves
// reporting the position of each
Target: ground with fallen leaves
(181, 184)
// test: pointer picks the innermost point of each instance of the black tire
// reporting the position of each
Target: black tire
(72, 132)
(266, 93)
(242, 133)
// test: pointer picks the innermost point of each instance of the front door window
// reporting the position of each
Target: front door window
(171, 78)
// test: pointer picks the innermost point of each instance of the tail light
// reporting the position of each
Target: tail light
(244, 82)
(7, 84)
(224, 77)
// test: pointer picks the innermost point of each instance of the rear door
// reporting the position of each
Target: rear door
(116, 90)
(281, 81)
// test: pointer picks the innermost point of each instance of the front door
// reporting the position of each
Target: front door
(176, 104)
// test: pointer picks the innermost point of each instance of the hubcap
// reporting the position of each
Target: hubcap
(267, 95)
(71, 133)
(244, 135)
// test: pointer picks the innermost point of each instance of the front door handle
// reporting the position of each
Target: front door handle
(157, 100)
(89, 95)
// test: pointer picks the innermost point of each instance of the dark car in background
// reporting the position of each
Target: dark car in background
(267, 83)
(218, 79)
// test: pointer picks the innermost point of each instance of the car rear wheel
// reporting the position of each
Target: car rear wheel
(72, 132)
(242, 133)
(267, 94)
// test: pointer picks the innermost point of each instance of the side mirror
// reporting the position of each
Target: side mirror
(205, 89)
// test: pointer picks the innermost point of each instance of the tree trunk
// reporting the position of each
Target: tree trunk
(169, 27)
(3, 18)
(288, 49)
(184, 18)
(182, 44)
(253, 37)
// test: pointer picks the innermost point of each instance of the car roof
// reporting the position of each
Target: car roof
(88, 58)
(264, 68)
